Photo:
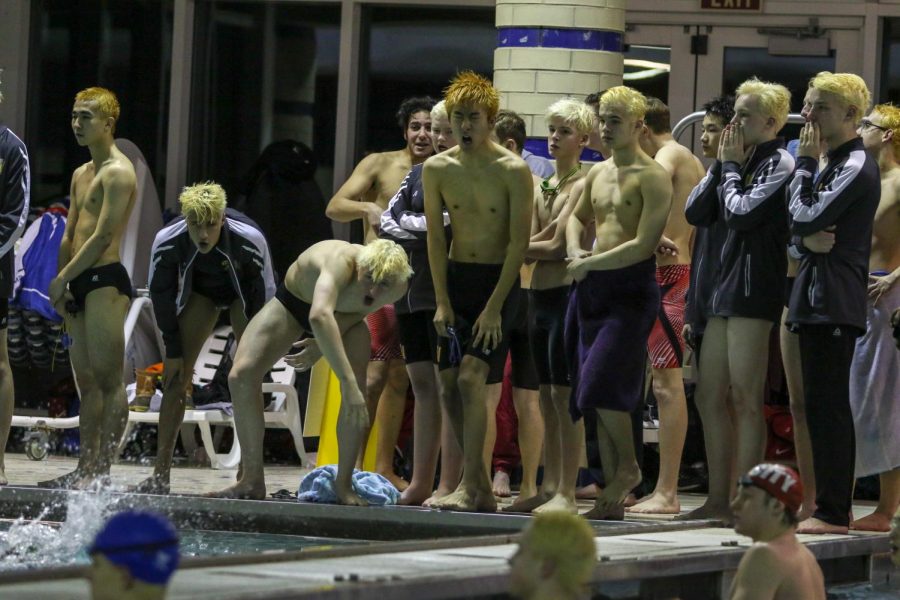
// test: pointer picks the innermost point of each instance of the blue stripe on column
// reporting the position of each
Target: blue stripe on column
(570, 39)
(538, 146)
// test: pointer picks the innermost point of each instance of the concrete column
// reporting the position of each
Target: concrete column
(547, 49)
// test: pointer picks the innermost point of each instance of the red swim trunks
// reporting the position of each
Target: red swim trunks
(666, 346)
(385, 334)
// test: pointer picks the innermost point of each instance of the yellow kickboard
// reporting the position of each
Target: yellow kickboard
(323, 407)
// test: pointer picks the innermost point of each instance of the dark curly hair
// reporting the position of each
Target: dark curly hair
(721, 107)
(410, 106)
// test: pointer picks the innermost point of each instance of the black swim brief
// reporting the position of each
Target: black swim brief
(112, 275)
(470, 286)
(418, 338)
(299, 309)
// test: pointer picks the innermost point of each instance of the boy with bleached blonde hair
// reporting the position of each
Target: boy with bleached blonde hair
(747, 195)
(555, 558)
(569, 125)
(832, 224)
(326, 294)
(211, 259)
(615, 298)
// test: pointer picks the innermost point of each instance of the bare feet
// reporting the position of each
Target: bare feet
(415, 495)
(3, 479)
(818, 526)
(396, 481)
(709, 511)
(152, 485)
(874, 522)
(62, 482)
(437, 495)
(805, 512)
(526, 505)
(630, 500)
(348, 496)
(468, 500)
(559, 503)
(241, 490)
(616, 513)
(656, 504)
(618, 489)
(91, 483)
(501, 484)
(588, 492)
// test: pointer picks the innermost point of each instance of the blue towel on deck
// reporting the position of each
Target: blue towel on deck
(318, 486)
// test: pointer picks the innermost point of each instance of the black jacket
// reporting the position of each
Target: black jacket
(831, 288)
(15, 191)
(247, 262)
(702, 211)
(752, 259)
(404, 222)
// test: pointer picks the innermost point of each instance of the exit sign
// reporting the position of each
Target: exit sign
(731, 4)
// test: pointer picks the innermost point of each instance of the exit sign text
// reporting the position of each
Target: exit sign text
(731, 4)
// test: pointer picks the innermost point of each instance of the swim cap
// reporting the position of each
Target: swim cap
(780, 482)
(143, 542)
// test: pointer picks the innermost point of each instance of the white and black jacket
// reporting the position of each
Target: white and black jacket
(752, 262)
(244, 255)
(15, 191)
(404, 222)
(831, 288)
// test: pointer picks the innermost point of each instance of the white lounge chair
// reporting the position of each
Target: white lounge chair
(285, 413)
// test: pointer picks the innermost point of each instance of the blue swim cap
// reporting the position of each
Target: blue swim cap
(145, 543)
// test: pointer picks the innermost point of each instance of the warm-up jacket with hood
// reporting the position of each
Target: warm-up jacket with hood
(831, 288)
(404, 222)
(15, 190)
(240, 260)
(752, 259)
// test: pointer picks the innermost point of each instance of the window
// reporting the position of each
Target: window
(262, 72)
(123, 46)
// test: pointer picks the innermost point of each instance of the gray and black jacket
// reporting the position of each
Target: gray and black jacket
(831, 288)
(241, 251)
(752, 262)
(404, 222)
(702, 211)
(15, 192)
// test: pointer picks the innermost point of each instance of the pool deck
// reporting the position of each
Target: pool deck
(439, 555)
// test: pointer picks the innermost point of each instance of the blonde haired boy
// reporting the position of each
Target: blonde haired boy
(615, 299)
(326, 294)
(92, 288)
(832, 216)
(748, 196)
(212, 259)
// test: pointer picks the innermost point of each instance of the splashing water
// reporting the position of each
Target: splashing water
(31, 544)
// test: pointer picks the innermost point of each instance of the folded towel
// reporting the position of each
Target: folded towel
(318, 486)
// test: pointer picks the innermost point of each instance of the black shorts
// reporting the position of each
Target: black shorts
(112, 275)
(470, 286)
(524, 376)
(4, 313)
(418, 337)
(222, 297)
(547, 334)
(788, 290)
(299, 309)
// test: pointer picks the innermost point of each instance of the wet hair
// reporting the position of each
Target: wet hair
(573, 112)
(509, 125)
(385, 260)
(593, 99)
(568, 541)
(774, 98)
(469, 87)
(721, 107)
(439, 111)
(628, 100)
(411, 106)
(203, 202)
(890, 118)
(105, 99)
(657, 117)
(850, 88)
